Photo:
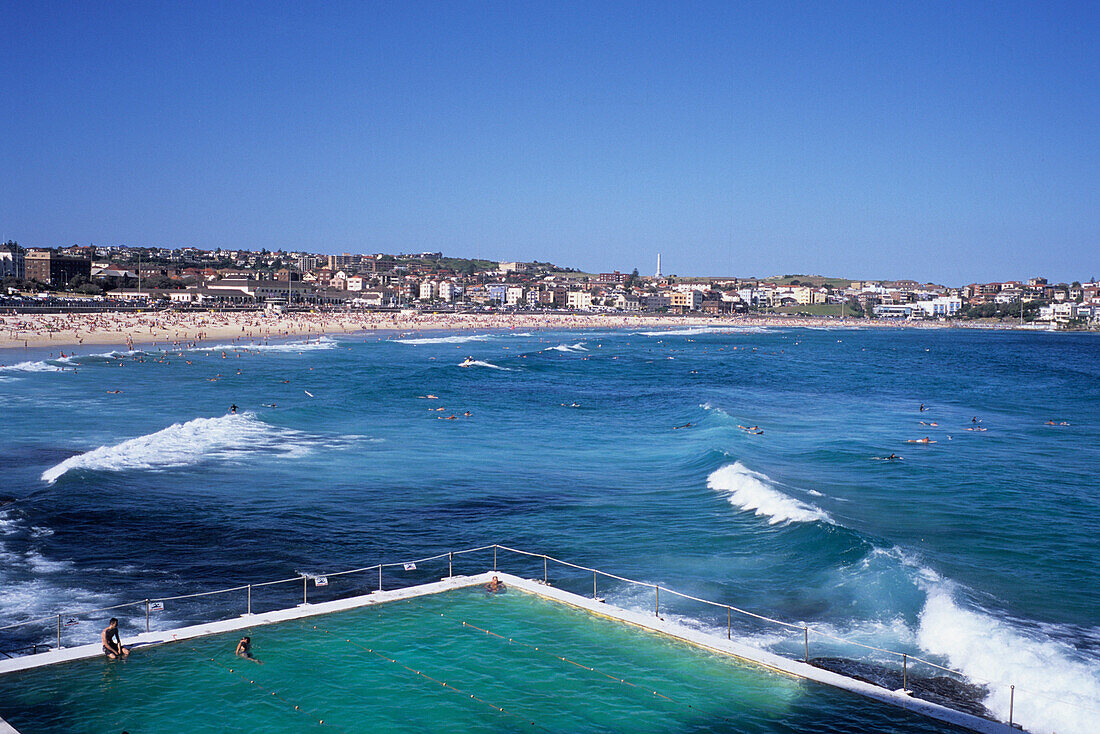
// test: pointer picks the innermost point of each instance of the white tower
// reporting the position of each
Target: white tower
(658, 265)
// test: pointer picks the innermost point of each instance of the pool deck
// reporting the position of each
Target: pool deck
(648, 621)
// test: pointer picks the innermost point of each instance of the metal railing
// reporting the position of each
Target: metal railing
(663, 599)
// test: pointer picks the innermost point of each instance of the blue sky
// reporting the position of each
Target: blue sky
(941, 141)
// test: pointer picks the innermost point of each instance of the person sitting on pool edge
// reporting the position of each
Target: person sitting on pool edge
(112, 644)
(244, 649)
(495, 585)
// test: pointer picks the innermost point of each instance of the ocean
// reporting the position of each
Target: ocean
(622, 450)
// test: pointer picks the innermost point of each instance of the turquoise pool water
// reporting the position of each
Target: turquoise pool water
(513, 682)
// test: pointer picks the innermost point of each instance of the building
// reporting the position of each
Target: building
(12, 262)
(429, 290)
(940, 307)
(514, 296)
(513, 267)
(345, 261)
(579, 300)
(498, 292)
(685, 300)
(615, 278)
(448, 291)
(46, 266)
(627, 302)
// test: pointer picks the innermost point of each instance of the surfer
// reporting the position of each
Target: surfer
(920, 440)
(112, 643)
(233, 408)
(677, 428)
(468, 362)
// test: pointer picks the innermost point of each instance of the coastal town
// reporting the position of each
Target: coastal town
(82, 277)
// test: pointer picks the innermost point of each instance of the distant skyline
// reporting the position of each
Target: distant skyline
(947, 142)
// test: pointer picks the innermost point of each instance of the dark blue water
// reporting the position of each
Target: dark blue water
(976, 551)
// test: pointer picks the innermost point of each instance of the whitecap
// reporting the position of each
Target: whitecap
(184, 444)
(291, 347)
(578, 347)
(454, 339)
(479, 363)
(1057, 686)
(30, 367)
(753, 491)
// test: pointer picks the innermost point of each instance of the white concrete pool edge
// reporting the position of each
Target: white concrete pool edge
(776, 663)
(651, 622)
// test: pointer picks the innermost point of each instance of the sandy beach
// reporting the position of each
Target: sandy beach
(168, 328)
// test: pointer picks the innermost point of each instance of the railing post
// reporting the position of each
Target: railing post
(305, 589)
(1011, 702)
(904, 672)
(545, 579)
(146, 615)
(729, 624)
(379, 576)
(594, 597)
(806, 642)
(59, 632)
(249, 609)
(657, 601)
(494, 558)
(450, 564)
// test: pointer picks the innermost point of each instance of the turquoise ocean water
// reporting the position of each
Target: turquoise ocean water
(977, 551)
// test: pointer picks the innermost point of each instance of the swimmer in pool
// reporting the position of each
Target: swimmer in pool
(495, 585)
(244, 650)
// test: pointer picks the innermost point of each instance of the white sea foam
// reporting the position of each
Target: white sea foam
(754, 491)
(696, 330)
(1057, 687)
(292, 347)
(460, 338)
(184, 444)
(30, 367)
(711, 408)
(479, 363)
(578, 347)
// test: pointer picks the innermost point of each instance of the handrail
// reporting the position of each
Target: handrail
(805, 628)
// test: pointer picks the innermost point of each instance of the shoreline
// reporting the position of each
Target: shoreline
(75, 330)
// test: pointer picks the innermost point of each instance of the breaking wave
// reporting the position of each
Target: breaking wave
(753, 491)
(479, 363)
(30, 367)
(459, 338)
(293, 347)
(578, 347)
(184, 444)
(1057, 687)
(696, 330)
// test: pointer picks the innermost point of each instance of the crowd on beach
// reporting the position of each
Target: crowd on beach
(73, 329)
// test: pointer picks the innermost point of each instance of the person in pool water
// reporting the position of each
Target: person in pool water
(112, 644)
(244, 649)
(495, 585)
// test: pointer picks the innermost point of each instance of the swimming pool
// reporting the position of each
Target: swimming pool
(461, 661)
